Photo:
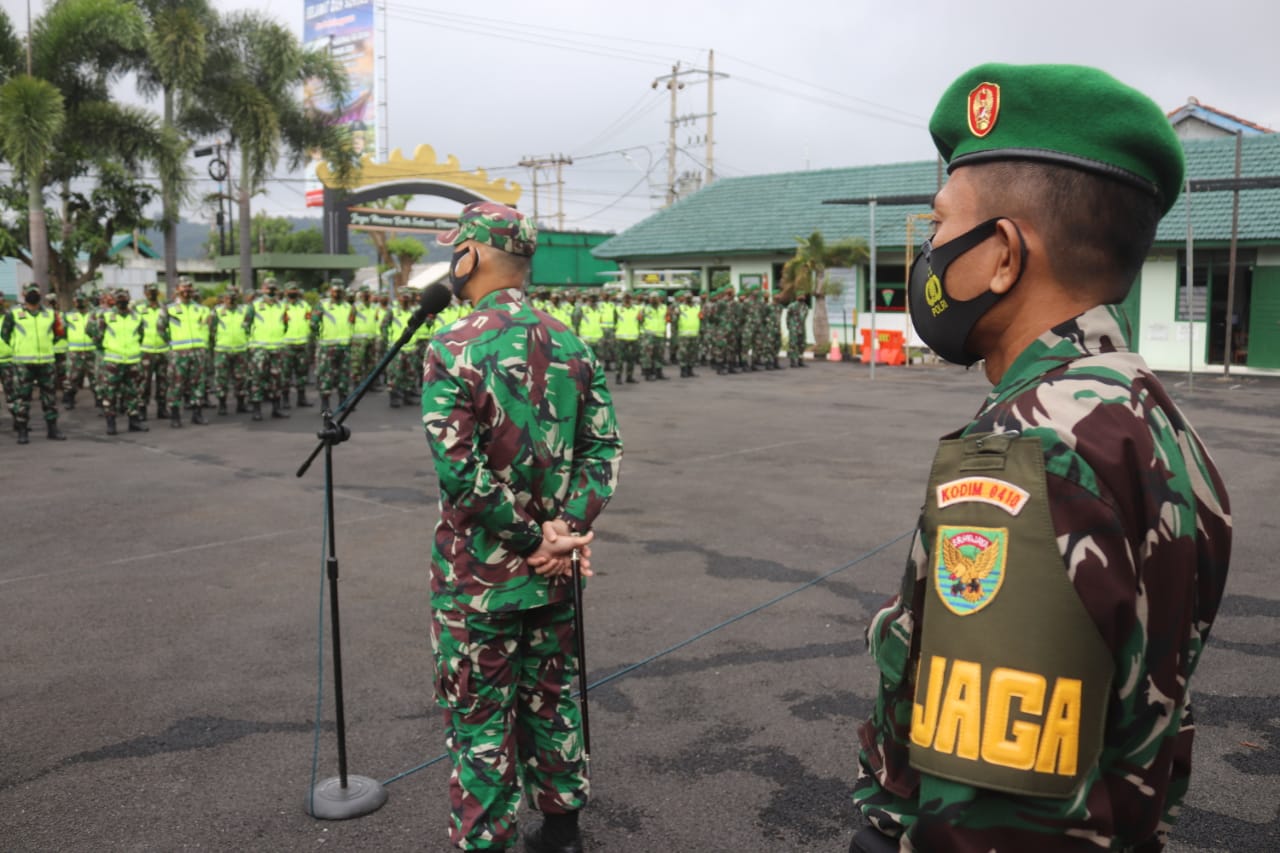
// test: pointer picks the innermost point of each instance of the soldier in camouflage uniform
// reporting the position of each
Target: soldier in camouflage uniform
(80, 360)
(187, 326)
(331, 324)
(526, 463)
(797, 313)
(1075, 538)
(155, 352)
(6, 362)
(653, 340)
(30, 331)
(688, 323)
(267, 322)
(404, 371)
(735, 318)
(363, 333)
(118, 335)
(609, 324)
(230, 351)
(297, 347)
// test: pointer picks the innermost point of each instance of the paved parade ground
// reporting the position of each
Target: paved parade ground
(160, 593)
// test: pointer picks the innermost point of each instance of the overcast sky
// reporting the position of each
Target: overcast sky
(812, 83)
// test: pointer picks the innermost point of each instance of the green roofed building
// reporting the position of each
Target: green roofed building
(740, 231)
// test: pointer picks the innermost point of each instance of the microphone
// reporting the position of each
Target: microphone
(434, 299)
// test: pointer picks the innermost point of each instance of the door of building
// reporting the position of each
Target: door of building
(1264, 319)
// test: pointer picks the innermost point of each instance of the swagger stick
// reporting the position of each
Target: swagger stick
(576, 560)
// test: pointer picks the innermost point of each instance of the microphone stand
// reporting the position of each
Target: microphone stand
(580, 641)
(343, 796)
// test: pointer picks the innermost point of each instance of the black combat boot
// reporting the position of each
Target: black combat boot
(175, 417)
(800, 362)
(324, 402)
(162, 411)
(136, 424)
(111, 424)
(557, 834)
(657, 374)
(631, 379)
(721, 370)
(394, 397)
(303, 402)
(53, 433)
(222, 405)
(276, 410)
(197, 416)
(284, 401)
(241, 407)
(257, 410)
(733, 369)
(69, 399)
(23, 435)
(692, 375)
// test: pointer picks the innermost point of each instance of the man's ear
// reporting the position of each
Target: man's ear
(1012, 257)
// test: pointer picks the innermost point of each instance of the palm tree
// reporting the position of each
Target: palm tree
(806, 273)
(253, 71)
(177, 46)
(31, 117)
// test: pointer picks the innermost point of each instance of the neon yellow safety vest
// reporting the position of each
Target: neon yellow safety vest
(655, 320)
(589, 328)
(608, 315)
(188, 327)
(268, 326)
(563, 313)
(629, 323)
(335, 323)
(689, 321)
(32, 339)
(152, 340)
(78, 337)
(6, 352)
(229, 335)
(395, 326)
(121, 339)
(366, 325)
(299, 324)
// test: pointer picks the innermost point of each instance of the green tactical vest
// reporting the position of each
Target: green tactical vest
(689, 321)
(121, 343)
(1013, 676)
(629, 323)
(230, 335)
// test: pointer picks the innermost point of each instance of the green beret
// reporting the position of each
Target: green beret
(1068, 115)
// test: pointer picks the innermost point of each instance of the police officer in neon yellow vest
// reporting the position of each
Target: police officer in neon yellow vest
(30, 330)
(230, 351)
(155, 352)
(187, 325)
(119, 333)
(267, 324)
(331, 324)
(80, 350)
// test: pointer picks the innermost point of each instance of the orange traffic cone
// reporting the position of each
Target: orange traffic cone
(834, 355)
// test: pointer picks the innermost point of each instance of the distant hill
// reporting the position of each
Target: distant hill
(192, 237)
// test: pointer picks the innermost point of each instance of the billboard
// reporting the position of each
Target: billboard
(345, 28)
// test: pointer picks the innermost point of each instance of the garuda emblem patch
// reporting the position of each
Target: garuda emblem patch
(968, 566)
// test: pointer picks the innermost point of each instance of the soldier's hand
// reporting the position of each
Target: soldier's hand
(552, 558)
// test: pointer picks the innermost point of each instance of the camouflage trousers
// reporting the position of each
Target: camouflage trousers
(402, 375)
(795, 341)
(687, 349)
(361, 359)
(230, 372)
(652, 351)
(762, 346)
(120, 389)
(628, 355)
(266, 372)
(6, 383)
(155, 368)
(186, 378)
(332, 370)
(295, 366)
(60, 360)
(597, 347)
(505, 681)
(608, 351)
(80, 369)
(27, 380)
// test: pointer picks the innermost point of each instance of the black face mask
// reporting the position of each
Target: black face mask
(944, 323)
(458, 282)
(33, 300)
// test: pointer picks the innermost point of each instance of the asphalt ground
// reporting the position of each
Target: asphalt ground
(160, 597)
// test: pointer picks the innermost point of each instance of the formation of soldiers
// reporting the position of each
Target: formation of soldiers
(731, 332)
(257, 350)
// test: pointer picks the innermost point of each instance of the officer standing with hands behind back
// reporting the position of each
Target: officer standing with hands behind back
(1073, 547)
(522, 432)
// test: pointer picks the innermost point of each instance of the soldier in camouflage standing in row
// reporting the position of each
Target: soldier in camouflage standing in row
(653, 341)
(363, 332)
(230, 351)
(118, 336)
(797, 314)
(297, 340)
(80, 349)
(60, 346)
(155, 352)
(688, 325)
(404, 370)
(267, 323)
(331, 325)
(522, 432)
(1073, 549)
(30, 330)
(187, 326)
(609, 327)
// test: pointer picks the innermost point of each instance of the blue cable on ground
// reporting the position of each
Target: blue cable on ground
(744, 614)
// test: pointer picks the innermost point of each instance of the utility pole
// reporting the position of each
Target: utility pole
(536, 163)
(672, 82)
(381, 119)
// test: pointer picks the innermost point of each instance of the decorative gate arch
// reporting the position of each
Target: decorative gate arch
(421, 175)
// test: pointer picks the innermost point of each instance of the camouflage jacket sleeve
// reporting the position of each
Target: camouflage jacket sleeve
(1144, 530)
(597, 450)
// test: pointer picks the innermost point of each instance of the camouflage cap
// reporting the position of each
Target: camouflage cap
(496, 225)
(29, 287)
(121, 293)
